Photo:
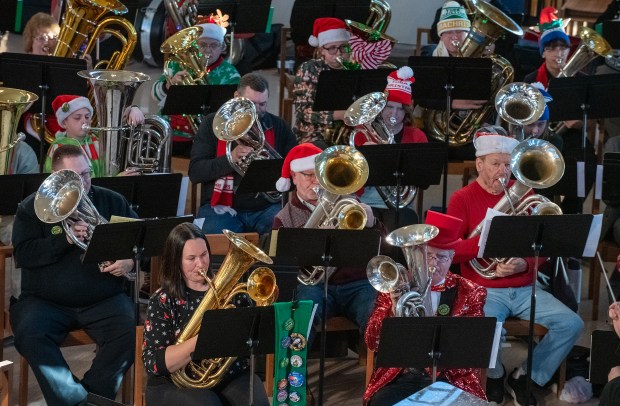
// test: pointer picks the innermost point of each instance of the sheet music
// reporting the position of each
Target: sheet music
(581, 179)
(311, 319)
(497, 339)
(486, 226)
(593, 236)
(598, 188)
(199, 222)
(182, 196)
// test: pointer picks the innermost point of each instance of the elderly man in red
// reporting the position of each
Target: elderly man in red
(453, 296)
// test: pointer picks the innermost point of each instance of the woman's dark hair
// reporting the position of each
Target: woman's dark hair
(171, 273)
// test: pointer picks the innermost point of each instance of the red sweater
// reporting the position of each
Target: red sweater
(470, 205)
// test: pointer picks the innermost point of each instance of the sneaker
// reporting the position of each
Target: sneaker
(517, 387)
(495, 391)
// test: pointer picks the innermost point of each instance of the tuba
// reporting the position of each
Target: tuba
(182, 17)
(121, 145)
(340, 170)
(363, 115)
(488, 24)
(519, 104)
(13, 103)
(380, 15)
(222, 289)
(236, 121)
(592, 45)
(408, 286)
(536, 164)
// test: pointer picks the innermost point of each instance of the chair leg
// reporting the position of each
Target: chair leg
(23, 381)
(6, 378)
(269, 374)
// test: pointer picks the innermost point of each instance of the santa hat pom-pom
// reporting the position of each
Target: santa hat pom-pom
(405, 72)
(313, 41)
(283, 185)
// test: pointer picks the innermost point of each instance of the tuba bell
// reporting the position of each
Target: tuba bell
(13, 103)
(408, 286)
(591, 46)
(223, 288)
(519, 104)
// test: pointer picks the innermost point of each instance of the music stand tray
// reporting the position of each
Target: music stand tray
(16, 188)
(197, 99)
(337, 89)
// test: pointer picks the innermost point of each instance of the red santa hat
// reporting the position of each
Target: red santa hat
(399, 85)
(493, 140)
(300, 158)
(327, 30)
(65, 104)
(449, 230)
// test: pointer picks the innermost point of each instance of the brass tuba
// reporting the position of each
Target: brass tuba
(121, 145)
(340, 170)
(536, 164)
(489, 23)
(408, 286)
(592, 45)
(222, 289)
(182, 17)
(363, 116)
(13, 103)
(380, 15)
(236, 122)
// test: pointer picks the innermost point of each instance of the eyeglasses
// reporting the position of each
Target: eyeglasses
(212, 46)
(440, 259)
(86, 174)
(333, 50)
(46, 38)
(556, 48)
(308, 176)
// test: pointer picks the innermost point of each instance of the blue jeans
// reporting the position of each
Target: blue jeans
(354, 300)
(40, 327)
(565, 327)
(259, 221)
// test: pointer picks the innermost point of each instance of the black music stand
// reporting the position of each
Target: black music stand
(457, 78)
(261, 176)
(47, 76)
(337, 89)
(538, 236)
(604, 355)
(197, 99)
(17, 187)
(329, 248)
(611, 177)
(404, 164)
(583, 97)
(150, 196)
(439, 342)
(133, 239)
(237, 332)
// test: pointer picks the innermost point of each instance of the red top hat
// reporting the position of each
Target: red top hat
(449, 230)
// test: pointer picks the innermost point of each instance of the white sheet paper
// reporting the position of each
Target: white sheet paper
(581, 179)
(182, 196)
(497, 339)
(199, 222)
(486, 225)
(593, 236)
(598, 185)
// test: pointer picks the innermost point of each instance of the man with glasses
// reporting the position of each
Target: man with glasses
(61, 294)
(219, 72)
(220, 205)
(451, 295)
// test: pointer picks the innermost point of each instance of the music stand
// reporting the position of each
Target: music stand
(150, 196)
(604, 355)
(404, 164)
(17, 187)
(457, 78)
(583, 97)
(197, 99)
(439, 342)
(611, 32)
(237, 332)
(134, 239)
(611, 177)
(261, 176)
(337, 89)
(538, 236)
(329, 248)
(47, 76)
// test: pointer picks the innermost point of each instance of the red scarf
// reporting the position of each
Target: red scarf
(542, 77)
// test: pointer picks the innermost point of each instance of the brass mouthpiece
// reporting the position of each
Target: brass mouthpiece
(392, 120)
(455, 43)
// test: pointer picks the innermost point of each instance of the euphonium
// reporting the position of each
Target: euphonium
(519, 104)
(13, 103)
(236, 122)
(489, 22)
(222, 289)
(340, 170)
(592, 45)
(149, 147)
(536, 164)
(408, 286)
(364, 116)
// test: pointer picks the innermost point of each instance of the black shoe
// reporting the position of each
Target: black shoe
(516, 388)
(495, 391)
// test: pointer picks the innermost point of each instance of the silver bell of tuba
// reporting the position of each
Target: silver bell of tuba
(122, 145)
(519, 104)
(408, 286)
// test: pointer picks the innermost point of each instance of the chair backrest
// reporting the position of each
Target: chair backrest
(418, 41)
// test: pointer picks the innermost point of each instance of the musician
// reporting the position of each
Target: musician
(349, 293)
(60, 294)
(186, 254)
(72, 114)
(508, 294)
(611, 391)
(397, 116)
(219, 72)
(457, 295)
(220, 205)
(330, 37)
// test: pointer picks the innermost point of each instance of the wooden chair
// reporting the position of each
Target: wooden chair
(138, 368)
(285, 100)
(609, 252)
(418, 40)
(6, 383)
(333, 324)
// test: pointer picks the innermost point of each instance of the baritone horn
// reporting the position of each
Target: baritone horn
(223, 288)
(13, 103)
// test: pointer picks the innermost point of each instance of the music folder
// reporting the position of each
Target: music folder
(197, 99)
(261, 176)
(337, 89)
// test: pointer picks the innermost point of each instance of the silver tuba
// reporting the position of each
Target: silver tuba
(340, 170)
(13, 103)
(536, 164)
(364, 116)
(120, 144)
(408, 286)
(519, 104)
(236, 122)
